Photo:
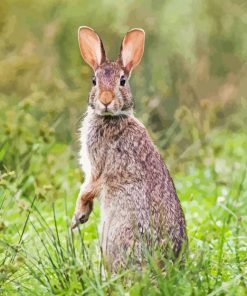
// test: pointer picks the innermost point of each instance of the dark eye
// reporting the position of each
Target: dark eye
(122, 80)
(94, 80)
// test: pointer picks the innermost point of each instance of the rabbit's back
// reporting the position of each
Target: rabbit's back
(138, 200)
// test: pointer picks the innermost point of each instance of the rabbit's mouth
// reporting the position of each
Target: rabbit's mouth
(106, 110)
(113, 109)
(107, 113)
(114, 113)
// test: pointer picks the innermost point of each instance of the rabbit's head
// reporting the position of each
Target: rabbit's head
(110, 94)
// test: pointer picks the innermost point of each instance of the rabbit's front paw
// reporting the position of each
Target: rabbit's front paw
(82, 213)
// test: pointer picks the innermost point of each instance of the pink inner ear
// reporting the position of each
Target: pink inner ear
(132, 48)
(127, 53)
(129, 66)
(90, 46)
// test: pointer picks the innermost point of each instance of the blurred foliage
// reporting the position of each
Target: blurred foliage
(190, 92)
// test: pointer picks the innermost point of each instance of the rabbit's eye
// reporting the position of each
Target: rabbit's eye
(94, 80)
(122, 80)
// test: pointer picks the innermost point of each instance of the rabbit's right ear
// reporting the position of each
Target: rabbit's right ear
(132, 49)
(91, 46)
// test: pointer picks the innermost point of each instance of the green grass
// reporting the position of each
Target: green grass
(39, 182)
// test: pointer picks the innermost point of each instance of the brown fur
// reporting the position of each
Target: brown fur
(139, 205)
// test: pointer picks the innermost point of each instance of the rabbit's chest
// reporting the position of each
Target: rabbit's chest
(113, 149)
(100, 148)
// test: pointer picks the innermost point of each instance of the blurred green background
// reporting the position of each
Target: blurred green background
(190, 92)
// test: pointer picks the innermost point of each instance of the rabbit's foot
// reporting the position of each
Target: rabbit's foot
(82, 213)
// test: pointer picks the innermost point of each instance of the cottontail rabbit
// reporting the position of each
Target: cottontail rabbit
(139, 205)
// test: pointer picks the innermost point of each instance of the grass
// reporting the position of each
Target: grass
(39, 182)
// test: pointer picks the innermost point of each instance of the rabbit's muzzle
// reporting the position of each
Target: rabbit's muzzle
(106, 97)
(106, 103)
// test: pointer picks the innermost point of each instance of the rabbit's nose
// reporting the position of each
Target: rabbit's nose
(106, 97)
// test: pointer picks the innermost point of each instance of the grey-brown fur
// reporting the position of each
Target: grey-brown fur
(139, 206)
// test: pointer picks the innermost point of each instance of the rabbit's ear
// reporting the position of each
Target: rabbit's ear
(132, 49)
(91, 46)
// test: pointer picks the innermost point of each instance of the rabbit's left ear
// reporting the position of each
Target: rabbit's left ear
(132, 49)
